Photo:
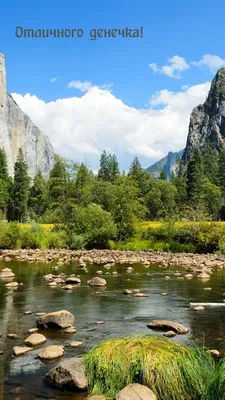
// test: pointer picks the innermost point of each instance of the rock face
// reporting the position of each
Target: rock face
(136, 391)
(168, 164)
(207, 121)
(18, 131)
(57, 319)
(69, 374)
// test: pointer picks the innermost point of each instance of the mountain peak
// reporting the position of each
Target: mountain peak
(207, 121)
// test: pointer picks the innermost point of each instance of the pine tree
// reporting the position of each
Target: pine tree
(114, 171)
(221, 163)
(135, 169)
(37, 201)
(162, 175)
(103, 172)
(210, 163)
(195, 178)
(58, 183)
(4, 182)
(20, 188)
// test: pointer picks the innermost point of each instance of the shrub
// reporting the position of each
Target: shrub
(172, 371)
(9, 235)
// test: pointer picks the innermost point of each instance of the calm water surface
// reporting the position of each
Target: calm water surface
(22, 378)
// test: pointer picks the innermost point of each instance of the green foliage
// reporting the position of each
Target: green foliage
(38, 196)
(172, 371)
(162, 175)
(9, 235)
(109, 167)
(20, 189)
(92, 226)
(195, 178)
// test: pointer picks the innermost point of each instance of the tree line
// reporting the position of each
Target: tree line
(73, 195)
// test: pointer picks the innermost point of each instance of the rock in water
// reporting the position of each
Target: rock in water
(51, 352)
(97, 282)
(136, 391)
(69, 374)
(207, 121)
(19, 350)
(18, 131)
(58, 319)
(6, 272)
(165, 325)
(35, 339)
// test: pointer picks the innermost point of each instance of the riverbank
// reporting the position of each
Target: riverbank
(190, 261)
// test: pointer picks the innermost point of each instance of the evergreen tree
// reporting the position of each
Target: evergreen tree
(37, 201)
(222, 171)
(210, 163)
(162, 175)
(135, 169)
(179, 181)
(103, 172)
(195, 178)
(114, 171)
(4, 182)
(20, 188)
(58, 183)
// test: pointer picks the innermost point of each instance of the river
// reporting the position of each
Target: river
(22, 378)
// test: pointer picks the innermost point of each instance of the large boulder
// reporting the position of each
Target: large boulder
(51, 352)
(97, 281)
(69, 374)
(58, 319)
(136, 391)
(165, 325)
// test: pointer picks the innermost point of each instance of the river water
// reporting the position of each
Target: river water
(22, 378)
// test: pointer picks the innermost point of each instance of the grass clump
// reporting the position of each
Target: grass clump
(172, 371)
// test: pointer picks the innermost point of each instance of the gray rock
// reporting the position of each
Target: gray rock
(51, 352)
(97, 281)
(73, 280)
(135, 391)
(35, 339)
(159, 324)
(207, 120)
(21, 350)
(17, 130)
(58, 319)
(69, 374)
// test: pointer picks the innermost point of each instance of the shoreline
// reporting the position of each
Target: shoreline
(189, 261)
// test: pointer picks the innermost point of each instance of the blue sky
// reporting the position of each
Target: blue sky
(189, 31)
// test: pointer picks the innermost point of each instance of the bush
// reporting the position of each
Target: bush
(172, 371)
(9, 235)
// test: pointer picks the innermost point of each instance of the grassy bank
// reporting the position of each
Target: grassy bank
(172, 371)
(175, 237)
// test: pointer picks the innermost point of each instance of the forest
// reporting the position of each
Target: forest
(106, 209)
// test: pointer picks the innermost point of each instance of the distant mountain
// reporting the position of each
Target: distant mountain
(168, 164)
(207, 121)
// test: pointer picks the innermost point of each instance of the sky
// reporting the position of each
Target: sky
(128, 96)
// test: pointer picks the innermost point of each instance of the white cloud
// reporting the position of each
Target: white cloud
(210, 61)
(177, 65)
(82, 86)
(86, 125)
(52, 80)
(85, 86)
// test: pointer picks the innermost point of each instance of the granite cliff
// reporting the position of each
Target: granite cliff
(17, 130)
(207, 121)
(167, 164)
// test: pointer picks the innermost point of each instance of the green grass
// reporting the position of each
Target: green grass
(172, 371)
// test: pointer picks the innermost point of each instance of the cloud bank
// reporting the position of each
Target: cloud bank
(81, 127)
